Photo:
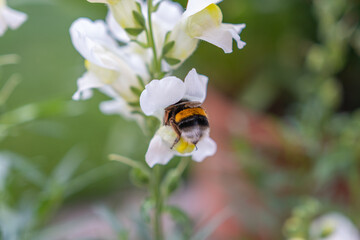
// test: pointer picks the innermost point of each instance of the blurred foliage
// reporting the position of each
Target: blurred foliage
(317, 117)
(301, 64)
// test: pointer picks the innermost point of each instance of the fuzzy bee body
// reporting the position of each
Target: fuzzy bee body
(189, 121)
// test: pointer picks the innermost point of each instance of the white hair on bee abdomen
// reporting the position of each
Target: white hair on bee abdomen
(194, 133)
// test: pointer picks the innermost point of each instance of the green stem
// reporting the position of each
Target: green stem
(158, 233)
(151, 40)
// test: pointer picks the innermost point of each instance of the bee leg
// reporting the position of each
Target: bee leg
(177, 131)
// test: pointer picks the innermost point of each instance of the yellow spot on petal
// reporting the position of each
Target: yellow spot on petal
(113, 2)
(87, 64)
(208, 18)
(184, 147)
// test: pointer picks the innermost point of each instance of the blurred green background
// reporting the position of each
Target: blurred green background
(301, 66)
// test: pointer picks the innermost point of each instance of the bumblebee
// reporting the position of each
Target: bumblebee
(189, 121)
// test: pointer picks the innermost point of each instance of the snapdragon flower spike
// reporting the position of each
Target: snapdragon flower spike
(10, 18)
(333, 226)
(112, 69)
(203, 20)
(158, 95)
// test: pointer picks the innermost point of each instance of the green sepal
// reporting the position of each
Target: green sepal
(134, 31)
(139, 18)
(168, 46)
(172, 61)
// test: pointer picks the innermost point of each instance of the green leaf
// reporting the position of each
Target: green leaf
(156, 7)
(134, 104)
(139, 18)
(134, 31)
(136, 91)
(138, 6)
(141, 44)
(182, 219)
(141, 81)
(168, 46)
(68, 165)
(108, 215)
(167, 35)
(90, 177)
(26, 168)
(172, 61)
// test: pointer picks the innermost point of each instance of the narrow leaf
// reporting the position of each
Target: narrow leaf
(172, 61)
(136, 91)
(134, 31)
(168, 46)
(139, 18)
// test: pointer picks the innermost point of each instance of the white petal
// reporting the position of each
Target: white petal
(168, 15)
(118, 32)
(87, 82)
(235, 30)
(158, 152)
(159, 94)
(196, 86)
(13, 18)
(195, 6)
(220, 37)
(205, 148)
(342, 227)
(93, 42)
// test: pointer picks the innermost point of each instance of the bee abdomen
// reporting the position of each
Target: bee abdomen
(194, 120)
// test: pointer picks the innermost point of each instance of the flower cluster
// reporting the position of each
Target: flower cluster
(140, 42)
(10, 18)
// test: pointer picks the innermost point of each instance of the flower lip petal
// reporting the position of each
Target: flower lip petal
(158, 152)
(206, 147)
(195, 6)
(219, 37)
(93, 42)
(116, 30)
(159, 94)
(196, 86)
(85, 83)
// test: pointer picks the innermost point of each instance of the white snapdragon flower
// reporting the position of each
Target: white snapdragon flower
(160, 94)
(203, 20)
(10, 18)
(112, 69)
(163, 21)
(122, 11)
(333, 226)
